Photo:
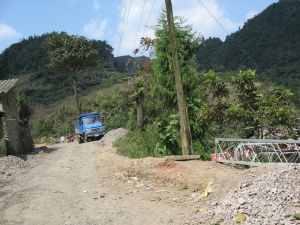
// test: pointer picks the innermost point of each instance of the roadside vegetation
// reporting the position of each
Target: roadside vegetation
(217, 107)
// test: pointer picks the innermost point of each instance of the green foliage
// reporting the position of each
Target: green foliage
(112, 106)
(63, 120)
(215, 85)
(24, 109)
(27, 55)
(27, 61)
(141, 144)
(253, 113)
(200, 149)
(246, 89)
(139, 89)
(276, 111)
(70, 53)
(168, 129)
(268, 43)
(43, 128)
(121, 61)
(218, 109)
(163, 86)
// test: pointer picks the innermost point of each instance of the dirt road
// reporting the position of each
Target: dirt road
(90, 184)
(75, 185)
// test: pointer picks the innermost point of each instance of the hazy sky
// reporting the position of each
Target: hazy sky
(104, 19)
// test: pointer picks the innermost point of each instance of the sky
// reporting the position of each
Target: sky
(120, 22)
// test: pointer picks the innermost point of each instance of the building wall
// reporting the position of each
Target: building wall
(19, 137)
(3, 147)
(1, 128)
(12, 119)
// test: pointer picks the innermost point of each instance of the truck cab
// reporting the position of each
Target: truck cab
(89, 127)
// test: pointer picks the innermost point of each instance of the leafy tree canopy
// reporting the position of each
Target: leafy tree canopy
(70, 53)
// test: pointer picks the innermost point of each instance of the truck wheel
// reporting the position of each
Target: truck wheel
(84, 138)
(79, 139)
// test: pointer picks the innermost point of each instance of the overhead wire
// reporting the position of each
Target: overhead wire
(124, 27)
(226, 31)
(138, 50)
(140, 21)
(148, 19)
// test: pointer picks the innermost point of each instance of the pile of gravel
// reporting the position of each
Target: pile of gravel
(273, 198)
(112, 135)
(11, 164)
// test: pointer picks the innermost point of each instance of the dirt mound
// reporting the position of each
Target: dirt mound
(168, 164)
(112, 136)
(272, 198)
(11, 164)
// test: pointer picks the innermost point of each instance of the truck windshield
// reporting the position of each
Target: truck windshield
(90, 119)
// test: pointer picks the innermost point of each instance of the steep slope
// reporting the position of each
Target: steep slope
(270, 43)
(27, 60)
(121, 61)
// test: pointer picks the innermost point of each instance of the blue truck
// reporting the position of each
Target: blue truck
(89, 127)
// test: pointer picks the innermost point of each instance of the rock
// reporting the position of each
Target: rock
(267, 199)
(241, 201)
(112, 136)
(12, 164)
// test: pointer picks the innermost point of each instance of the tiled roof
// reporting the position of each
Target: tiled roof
(6, 85)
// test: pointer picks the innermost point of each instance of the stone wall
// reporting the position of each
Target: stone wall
(3, 147)
(20, 140)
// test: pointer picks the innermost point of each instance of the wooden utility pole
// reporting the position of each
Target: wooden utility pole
(185, 131)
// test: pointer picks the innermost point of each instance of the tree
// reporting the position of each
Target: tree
(139, 87)
(254, 113)
(187, 42)
(70, 53)
(173, 53)
(24, 109)
(276, 112)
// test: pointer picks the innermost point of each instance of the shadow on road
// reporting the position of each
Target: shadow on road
(38, 150)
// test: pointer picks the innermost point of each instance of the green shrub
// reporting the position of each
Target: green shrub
(142, 144)
(199, 149)
(113, 107)
(43, 128)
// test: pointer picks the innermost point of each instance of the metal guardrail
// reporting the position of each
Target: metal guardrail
(258, 152)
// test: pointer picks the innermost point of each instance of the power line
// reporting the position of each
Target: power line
(148, 19)
(122, 29)
(220, 24)
(137, 50)
(126, 20)
(140, 21)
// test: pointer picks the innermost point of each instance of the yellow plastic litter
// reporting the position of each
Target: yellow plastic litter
(240, 217)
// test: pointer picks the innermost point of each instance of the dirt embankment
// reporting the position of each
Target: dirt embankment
(216, 193)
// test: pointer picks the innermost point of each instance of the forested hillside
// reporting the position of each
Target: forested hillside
(121, 61)
(28, 60)
(269, 43)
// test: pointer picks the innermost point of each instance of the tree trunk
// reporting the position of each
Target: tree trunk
(140, 115)
(185, 131)
(76, 94)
